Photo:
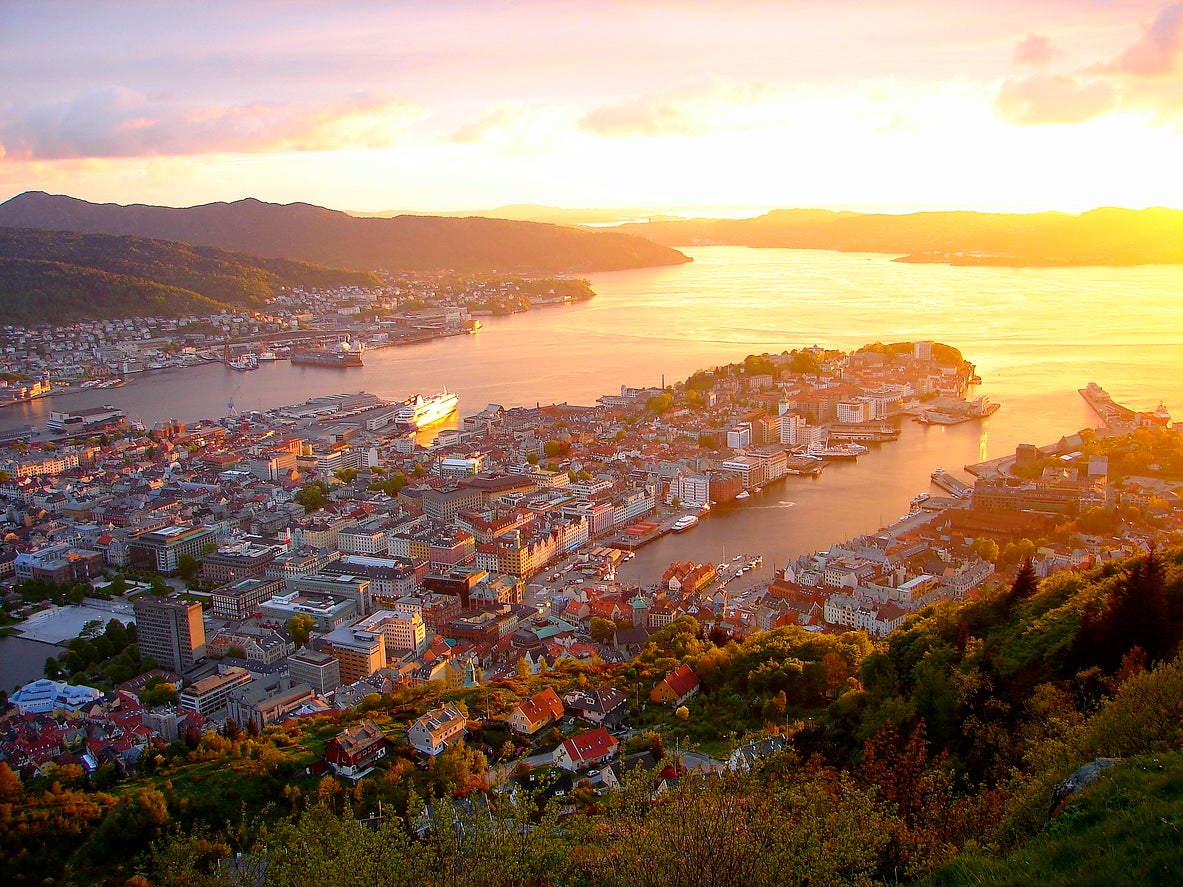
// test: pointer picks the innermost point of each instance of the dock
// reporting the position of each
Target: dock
(952, 485)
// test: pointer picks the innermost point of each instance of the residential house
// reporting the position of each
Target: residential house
(597, 746)
(354, 751)
(676, 687)
(438, 729)
(534, 714)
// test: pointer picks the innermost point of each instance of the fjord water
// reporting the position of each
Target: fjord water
(1036, 335)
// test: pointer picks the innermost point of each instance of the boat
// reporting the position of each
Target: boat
(245, 363)
(920, 500)
(684, 523)
(419, 411)
(346, 355)
(744, 494)
(838, 451)
(267, 356)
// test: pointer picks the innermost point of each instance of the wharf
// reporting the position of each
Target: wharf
(950, 484)
(1103, 405)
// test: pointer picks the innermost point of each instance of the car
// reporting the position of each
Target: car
(592, 774)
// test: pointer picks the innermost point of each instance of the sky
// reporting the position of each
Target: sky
(872, 105)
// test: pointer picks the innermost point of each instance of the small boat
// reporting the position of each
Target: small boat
(744, 495)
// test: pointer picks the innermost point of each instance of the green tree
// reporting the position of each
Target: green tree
(300, 627)
(187, 566)
(602, 630)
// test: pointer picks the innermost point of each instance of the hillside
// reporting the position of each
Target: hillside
(62, 275)
(1106, 236)
(33, 291)
(314, 234)
(932, 757)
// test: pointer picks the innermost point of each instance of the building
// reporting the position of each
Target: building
(261, 704)
(676, 687)
(354, 588)
(320, 671)
(57, 563)
(160, 549)
(361, 653)
(240, 561)
(327, 612)
(403, 632)
(211, 694)
(237, 600)
(438, 729)
(597, 746)
(536, 713)
(604, 705)
(353, 751)
(170, 631)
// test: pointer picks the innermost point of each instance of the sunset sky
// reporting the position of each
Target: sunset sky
(886, 105)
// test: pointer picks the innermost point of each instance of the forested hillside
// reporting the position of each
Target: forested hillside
(63, 276)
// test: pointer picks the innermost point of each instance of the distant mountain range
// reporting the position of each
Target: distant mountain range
(322, 236)
(65, 276)
(1106, 236)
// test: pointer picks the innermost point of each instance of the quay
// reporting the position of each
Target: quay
(950, 484)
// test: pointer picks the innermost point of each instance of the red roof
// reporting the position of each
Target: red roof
(591, 746)
(681, 680)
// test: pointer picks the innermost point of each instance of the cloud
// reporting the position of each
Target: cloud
(695, 108)
(1034, 50)
(117, 122)
(493, 119)
(1156, 51)
(1053, 98)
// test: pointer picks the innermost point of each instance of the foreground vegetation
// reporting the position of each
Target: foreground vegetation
(932, 757)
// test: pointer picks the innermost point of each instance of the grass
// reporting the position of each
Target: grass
(1126, 829)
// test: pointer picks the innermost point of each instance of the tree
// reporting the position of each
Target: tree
(602, 630)
(552, 448)
(682, 713)
(300, 627)
(312, 497)
(157, 585)
(187, 566)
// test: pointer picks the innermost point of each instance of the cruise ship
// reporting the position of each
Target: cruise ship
(684, 523)
(419, 411)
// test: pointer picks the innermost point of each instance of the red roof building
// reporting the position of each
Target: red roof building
(676, 687)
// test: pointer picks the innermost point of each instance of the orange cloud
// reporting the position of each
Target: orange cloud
(1157, 50)
(117, 122)
(695, 108)
(1053, 98)
(1034, 50)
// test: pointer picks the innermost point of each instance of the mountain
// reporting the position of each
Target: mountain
(314, 234)
(1105, 236)
(533, 212)
(68, 276)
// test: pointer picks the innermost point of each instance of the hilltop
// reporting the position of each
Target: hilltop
(1105, 236)
(322, 236)
(66, 276)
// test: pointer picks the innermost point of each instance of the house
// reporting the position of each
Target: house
(438, 729)
(586, 750)
(604, 705)
(352, 752)
(533, 714)
(676, 687)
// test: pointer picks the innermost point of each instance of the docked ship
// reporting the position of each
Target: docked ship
(346, 355)
(684, 523)
(419, 411)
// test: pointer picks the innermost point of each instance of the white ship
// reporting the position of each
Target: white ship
(419, 411)
(685, 523)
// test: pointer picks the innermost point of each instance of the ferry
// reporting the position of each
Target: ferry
(838, 451)
(684, 523)
(419, 411)
(743, 495)
(920, 500)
